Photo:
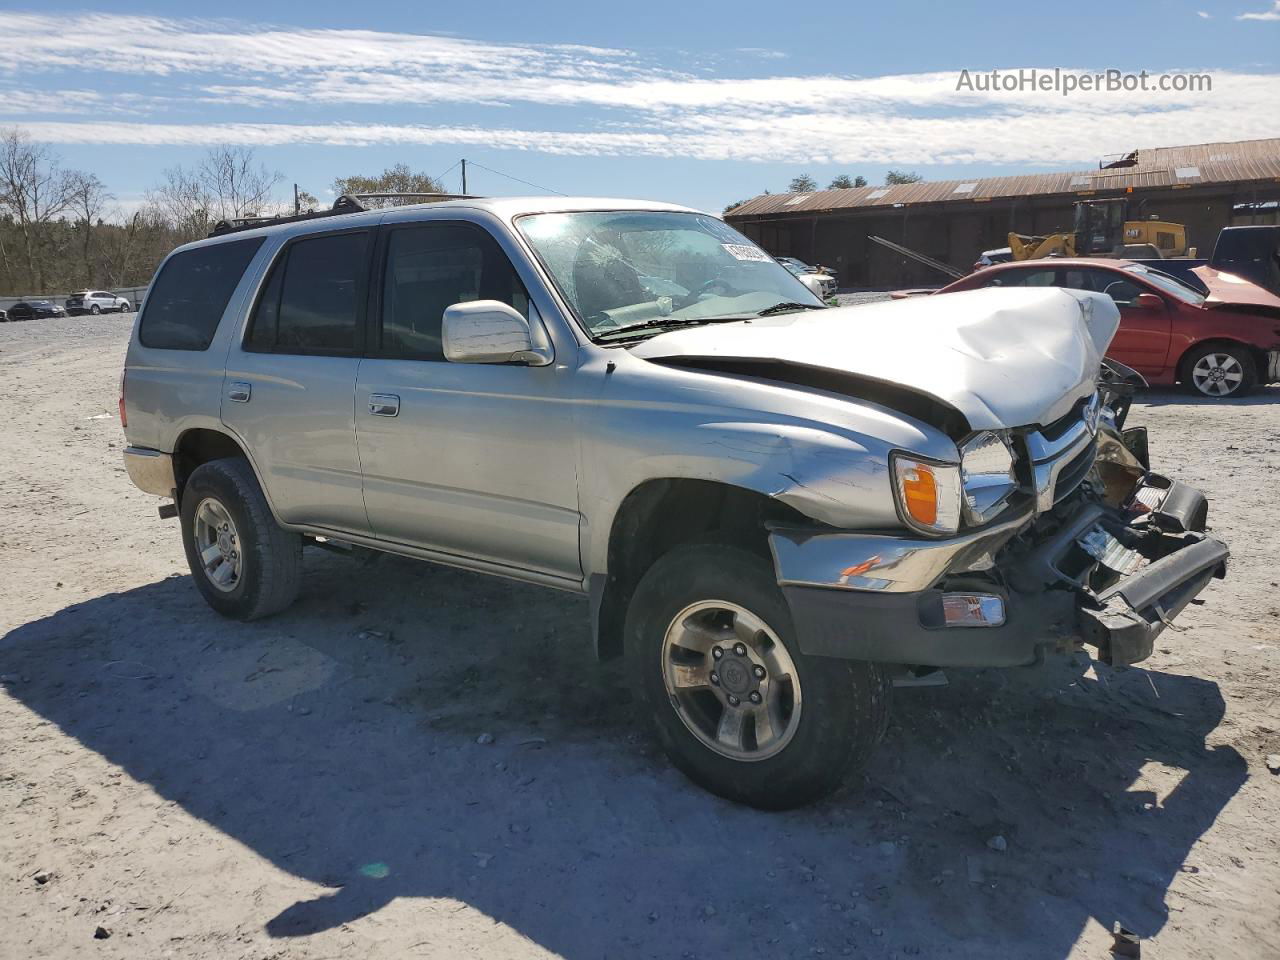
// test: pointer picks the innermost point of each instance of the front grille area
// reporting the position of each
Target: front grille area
(1059, 457)
(1073, 474)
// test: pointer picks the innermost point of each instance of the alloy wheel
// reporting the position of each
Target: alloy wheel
(218, 544)
(731, 680)
(1217, 374)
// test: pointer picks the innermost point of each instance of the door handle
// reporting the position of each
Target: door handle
(384, 404)
(239, 392)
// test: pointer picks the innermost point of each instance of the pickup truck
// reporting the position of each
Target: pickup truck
(777, 510)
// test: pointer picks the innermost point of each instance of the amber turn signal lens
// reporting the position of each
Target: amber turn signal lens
(920, 494)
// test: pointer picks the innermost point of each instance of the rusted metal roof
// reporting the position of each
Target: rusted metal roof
(1203, 163)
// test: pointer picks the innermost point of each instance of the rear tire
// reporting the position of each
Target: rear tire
(1220, 371)
(245, 565)
(823, 722)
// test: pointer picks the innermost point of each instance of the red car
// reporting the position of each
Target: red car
(1220, 345)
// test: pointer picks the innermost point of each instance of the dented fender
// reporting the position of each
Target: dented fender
(826, 457)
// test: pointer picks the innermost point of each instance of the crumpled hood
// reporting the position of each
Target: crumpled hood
(1003, 357)
(1228, 290)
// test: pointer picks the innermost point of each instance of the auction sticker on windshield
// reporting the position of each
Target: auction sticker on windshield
(743, 251)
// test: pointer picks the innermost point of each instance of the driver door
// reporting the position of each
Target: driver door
(1142, 340)
(470, 460)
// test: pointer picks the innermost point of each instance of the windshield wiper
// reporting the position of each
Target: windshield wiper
(659, 323)
(788, 307)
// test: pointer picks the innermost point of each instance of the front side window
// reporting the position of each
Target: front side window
(311, 302)
(623, 271)
(188, 298)
(1166, 283)
(431, 267)
(1025, 278)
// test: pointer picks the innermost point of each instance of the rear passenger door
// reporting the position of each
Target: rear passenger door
(472, 460)
(290, 385)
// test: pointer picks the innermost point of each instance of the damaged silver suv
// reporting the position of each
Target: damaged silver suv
(776, 508)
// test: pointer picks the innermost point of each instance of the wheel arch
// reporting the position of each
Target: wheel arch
(1259, 356)
(199, 445)
(658, 515)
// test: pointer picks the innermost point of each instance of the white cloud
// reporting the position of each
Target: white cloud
(595, 101)
(1272, 14)
(1203, 15)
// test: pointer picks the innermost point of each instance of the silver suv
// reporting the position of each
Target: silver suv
(96, 302)
(777, 509)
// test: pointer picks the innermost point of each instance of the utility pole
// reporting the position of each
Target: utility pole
(297, 207)
(464, 175)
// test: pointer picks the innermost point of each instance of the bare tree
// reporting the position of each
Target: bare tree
(240, 186)
(183, 201)
(88, 198)
(226, 184)
(34, 191)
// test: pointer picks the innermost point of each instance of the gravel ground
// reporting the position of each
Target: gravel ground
(421, 762)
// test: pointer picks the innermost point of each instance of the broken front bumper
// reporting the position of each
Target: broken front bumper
(1110, 577)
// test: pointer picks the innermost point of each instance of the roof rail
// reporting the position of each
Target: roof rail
(347, 203)
(343, 205)
(404, 195)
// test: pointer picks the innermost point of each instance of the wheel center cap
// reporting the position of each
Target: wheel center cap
(1216, 373)
(224, 543)
(735, 676)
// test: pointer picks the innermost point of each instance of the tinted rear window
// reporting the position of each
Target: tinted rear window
(311, 302)
(190, 294)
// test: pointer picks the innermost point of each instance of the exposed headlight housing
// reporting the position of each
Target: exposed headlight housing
(928, 493)
(986, 475)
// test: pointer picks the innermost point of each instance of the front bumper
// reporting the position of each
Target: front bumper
(880, 598)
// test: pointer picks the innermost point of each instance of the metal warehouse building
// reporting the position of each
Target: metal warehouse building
(1206, 186)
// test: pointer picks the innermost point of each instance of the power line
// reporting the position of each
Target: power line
(516, 179)
(440, 179)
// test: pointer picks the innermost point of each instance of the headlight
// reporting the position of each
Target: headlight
(928, 493)
(986, 475)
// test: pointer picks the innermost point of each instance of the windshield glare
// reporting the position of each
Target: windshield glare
(1168, 284)
(620, 269)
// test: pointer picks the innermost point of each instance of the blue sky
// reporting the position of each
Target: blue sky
(694, 102)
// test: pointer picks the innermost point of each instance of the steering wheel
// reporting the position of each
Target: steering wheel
(710, 286)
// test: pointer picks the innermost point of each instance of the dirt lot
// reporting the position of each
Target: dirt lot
(318, 784)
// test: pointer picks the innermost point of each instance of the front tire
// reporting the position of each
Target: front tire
(1220, 371)
(95, 310)
(736, 705)
(245, 565)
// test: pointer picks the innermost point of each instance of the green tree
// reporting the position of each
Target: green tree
(397, 179)
(894, 177)
(734, 206)
(803, 184)
(844, 182)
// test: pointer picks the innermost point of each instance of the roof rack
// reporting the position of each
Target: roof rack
(347, 203)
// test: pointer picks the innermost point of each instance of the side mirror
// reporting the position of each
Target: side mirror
(813, 282)
(1148, 301)
(489, 331)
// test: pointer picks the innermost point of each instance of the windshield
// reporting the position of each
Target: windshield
(627, 269)
(1167, 283)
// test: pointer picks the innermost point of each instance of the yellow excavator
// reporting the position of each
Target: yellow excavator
(1102, 229)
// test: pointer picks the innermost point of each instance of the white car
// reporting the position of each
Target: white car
(799, 268)
(96, 302)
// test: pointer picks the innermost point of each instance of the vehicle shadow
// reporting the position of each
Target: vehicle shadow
(339, 742)
(1181, 397)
